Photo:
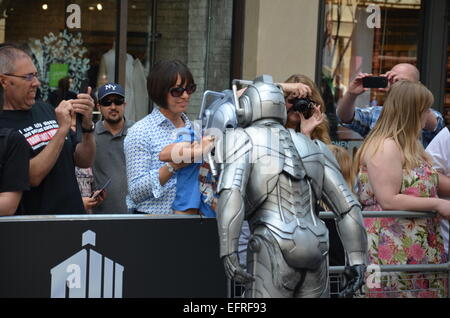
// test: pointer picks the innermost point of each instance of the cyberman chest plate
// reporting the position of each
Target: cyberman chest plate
(275, 151)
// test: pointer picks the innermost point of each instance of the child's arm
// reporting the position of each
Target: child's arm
(203, 148)
(186, 151)
(176, 152)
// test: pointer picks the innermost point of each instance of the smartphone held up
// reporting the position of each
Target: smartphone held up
(375, 82)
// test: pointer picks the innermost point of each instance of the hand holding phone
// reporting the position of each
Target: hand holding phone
(102, 190)
(83, 89)
(375, 82)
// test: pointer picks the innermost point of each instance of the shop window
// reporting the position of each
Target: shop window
(368, 37)
(65, 38)
(197, 32)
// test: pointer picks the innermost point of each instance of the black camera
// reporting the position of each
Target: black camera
(304, 106)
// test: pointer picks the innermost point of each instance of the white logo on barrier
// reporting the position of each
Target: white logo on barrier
(74, 19)
(374, 20)
(74, 279)
(87, 274)
(374, 278)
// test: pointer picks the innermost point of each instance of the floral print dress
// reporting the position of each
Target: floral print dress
(405, 241)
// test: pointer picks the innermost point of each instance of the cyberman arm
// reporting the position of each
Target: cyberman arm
(231, 206)
(338, 196)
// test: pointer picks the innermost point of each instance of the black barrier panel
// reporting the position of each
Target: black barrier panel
(129, 258)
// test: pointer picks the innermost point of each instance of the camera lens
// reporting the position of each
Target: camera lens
(304, 106)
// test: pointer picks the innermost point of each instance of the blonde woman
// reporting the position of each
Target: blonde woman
(315, 127)
(395, 173)
(345, 163)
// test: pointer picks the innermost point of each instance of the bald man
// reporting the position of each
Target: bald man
(362, 120)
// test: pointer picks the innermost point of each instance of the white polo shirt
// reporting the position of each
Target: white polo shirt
(439, 149)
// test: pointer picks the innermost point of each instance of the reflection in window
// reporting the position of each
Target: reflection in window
(59, 51)
(368, 37)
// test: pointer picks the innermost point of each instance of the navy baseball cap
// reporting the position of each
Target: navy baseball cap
(109, 89)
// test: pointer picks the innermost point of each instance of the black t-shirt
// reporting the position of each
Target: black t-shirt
(14, 161)
(58, 193)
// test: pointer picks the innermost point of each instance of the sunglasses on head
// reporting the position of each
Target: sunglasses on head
(118, 101)
(179, 91)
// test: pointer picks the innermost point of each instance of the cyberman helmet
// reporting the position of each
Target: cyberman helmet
(218, 110)
(262, 99)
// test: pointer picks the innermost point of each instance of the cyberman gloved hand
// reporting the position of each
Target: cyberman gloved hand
(234, 270)
(354, 280)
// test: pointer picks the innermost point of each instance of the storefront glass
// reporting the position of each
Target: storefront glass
(197, 32)
(65, 38)
(369, 37)
(77, 38)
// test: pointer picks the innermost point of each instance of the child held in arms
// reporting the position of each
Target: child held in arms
(188, 150)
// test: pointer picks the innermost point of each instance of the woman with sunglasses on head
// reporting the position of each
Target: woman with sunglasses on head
(151, 186)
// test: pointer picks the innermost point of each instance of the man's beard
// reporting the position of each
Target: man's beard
(113, 121)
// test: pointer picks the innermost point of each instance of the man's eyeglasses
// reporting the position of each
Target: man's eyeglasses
(27, 77)
(178, 91)
(118, 101)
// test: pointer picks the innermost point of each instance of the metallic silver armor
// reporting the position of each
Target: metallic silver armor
(274, 178)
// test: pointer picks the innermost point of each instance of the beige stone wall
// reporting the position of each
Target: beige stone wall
(280, 38)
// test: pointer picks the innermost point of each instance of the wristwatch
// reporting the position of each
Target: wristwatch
(88, 130)
(170, 168)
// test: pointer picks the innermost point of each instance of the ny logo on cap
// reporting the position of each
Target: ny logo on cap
(110, 86)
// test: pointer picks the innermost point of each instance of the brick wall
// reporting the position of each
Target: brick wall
(172, 23)
(198, 25)
(216, 43)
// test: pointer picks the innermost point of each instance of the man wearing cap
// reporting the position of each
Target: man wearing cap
(110, 160)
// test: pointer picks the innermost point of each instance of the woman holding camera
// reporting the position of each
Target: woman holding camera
(315, 124)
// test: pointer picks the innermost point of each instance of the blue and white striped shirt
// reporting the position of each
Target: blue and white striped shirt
(366, 118)
(142, 146)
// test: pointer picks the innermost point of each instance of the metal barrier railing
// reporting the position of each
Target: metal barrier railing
(398, 268)
(385, 214)
(395, 268)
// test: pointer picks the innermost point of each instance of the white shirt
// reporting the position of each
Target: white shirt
(439, 150)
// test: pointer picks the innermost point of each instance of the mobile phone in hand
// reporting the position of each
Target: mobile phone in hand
(97, 193)
(375, 82)
(84, 86)
(83, 90)
(102, 189)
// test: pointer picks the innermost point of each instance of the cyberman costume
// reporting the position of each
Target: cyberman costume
(274, 178)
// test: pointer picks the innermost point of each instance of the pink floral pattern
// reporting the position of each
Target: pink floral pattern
(405, 241)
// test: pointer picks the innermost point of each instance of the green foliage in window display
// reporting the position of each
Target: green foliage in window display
(64, 48)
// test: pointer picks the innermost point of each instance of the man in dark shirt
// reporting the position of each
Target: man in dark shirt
(14, 163)
(55, 148)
